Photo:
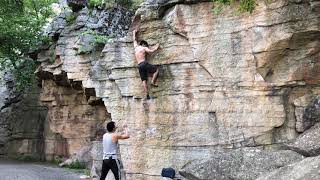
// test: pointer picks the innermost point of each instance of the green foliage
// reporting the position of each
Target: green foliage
(247, 5)
(92, 40)
(57, 160)
(87, 172)
(27, 158)
(76, 165)
(95, 3)
(244, 5)
(100, 39)
(136, 3)
(97, 38)
(24, 74)
(130, 4)
(22, 22)
(71, 18)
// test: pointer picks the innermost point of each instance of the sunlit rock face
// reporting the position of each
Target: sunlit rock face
(76, 116)
(72, 122)
(227, 80)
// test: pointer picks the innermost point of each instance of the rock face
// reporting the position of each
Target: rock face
(307, 110)
(26, 124)
(6, 93)
(305, 169)
(72, 122)
(238, 164)
(308, 143)
(76, 115)
(22, 120)
(227, 81)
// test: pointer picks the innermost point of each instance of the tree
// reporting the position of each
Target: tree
(22, 23)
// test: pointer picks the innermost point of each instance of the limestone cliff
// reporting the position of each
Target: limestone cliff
(227, 81)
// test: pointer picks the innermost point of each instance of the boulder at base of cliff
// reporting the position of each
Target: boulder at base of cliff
(308, 143)
(246, 163)
(309, 168)
(83, 156)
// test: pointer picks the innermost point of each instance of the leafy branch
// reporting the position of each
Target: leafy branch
(22, 23)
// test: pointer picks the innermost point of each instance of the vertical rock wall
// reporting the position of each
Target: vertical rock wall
(72, 123)
(76, 115)
(22, 121)
(227, 81)
(5, 94)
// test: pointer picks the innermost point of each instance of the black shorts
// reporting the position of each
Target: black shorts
(146, 68)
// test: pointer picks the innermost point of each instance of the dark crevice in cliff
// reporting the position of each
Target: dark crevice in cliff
(204, 68)
(11, 101)
(289, 112)
(302, 152)
(290, 125)
(164, 6)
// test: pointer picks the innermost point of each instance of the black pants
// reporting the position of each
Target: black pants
(112, 164)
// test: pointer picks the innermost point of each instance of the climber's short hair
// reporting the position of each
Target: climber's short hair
(144, 43)
(110, 126)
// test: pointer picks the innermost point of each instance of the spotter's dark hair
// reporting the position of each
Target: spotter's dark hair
(110, 126)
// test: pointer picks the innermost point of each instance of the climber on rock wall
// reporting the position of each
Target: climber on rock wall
(110, 151)
(144, 67)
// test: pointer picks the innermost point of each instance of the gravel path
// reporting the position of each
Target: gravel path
(10, 170)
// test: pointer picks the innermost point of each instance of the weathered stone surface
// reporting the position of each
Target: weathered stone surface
(312, 112)
(308, 143)
(7, 89)
(72, 122)
(227, 80)
(305, 169)
(238, 164)
(6, 92)
(82, 156)
(23, 126)
(300, 104)
(21, 120)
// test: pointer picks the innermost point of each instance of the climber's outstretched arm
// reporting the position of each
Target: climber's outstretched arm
(153, 49)
(135, 43)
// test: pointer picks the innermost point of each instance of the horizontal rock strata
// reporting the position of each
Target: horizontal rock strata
(227, 80)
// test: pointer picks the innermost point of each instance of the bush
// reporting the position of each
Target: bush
(27, 158)
(76, 165)
(244, 5)
(130, 4)
(57, 160)
(71, 18)
(95, 3)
